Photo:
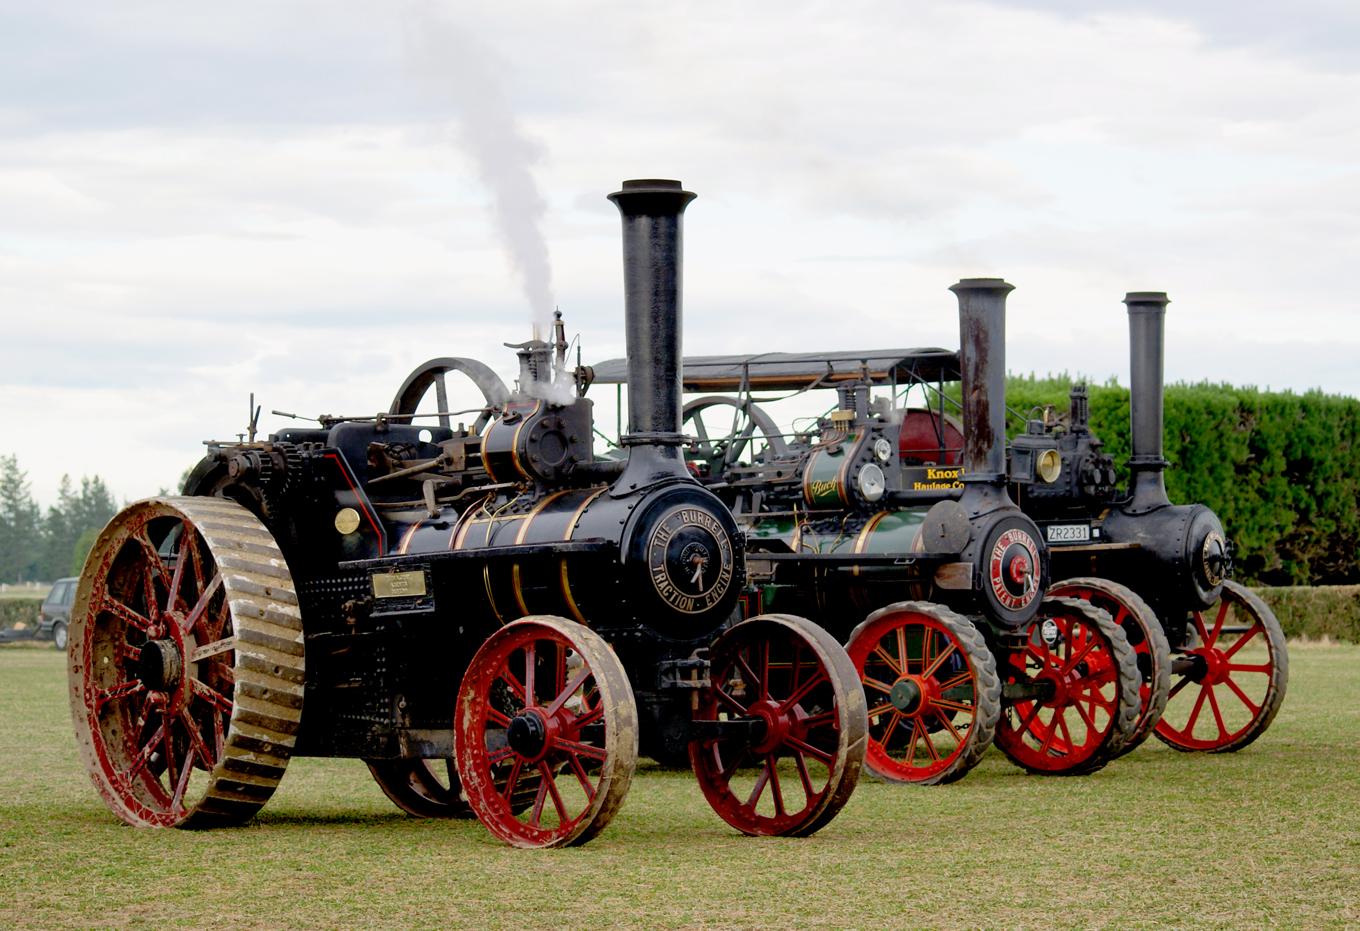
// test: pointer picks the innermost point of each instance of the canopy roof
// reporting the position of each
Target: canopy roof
(790, 371)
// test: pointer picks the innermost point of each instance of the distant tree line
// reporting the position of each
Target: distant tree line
(38, 545)
(1281, 470)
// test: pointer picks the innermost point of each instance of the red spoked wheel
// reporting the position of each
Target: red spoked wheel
(1228, 689)
(933, 693)
(1147, 638)
(186, 663)
(422, 788)
(780, 732)
(545, 708)
(1070, 698)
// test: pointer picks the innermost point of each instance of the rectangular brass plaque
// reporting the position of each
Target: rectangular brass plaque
(399, 584)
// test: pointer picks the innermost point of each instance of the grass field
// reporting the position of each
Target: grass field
(1268, 836)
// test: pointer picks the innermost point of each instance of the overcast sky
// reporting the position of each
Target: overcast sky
(307, 199)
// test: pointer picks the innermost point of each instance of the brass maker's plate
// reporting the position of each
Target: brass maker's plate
(410, 584)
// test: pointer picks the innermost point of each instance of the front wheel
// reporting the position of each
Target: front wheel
(545, 711)
(59, 636)
(1228, 687)
(779, 734)
(933, 692)
(1070, 693)
(1146, 636)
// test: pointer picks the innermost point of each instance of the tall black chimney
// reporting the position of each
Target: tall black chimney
(982, 360)
(652, 211)
(1147, 317)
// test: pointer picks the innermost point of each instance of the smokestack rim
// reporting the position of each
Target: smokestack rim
(982, 284)
(652, 195)
(1146, 301)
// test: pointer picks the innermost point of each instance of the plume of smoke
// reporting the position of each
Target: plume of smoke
(466, 73)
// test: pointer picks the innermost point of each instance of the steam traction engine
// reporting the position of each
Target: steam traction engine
(859, 513)
(1213, 663)
(325, 592)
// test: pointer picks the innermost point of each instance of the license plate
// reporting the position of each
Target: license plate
(1068, 533)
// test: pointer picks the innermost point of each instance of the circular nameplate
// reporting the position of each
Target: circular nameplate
(689, 559)
(1013, 569)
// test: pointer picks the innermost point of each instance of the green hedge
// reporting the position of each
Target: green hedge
(19, 610)
(1281, 470)
(1316, 612)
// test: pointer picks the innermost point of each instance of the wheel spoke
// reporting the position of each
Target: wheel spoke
(1194, 714)
(891, 662)
(895, 720)
(943, 655)
(809, 749)
(1175, 689)
(530, 693)
(187, 767)
(764, 669)
(513, 779)
(116, 692)
(871, 682)
(961, 679)
(572, 746)
(1200, 628)
(497, 717)
(759, 787)
(1218, 622)
(802, 691)
(1242, 640)
(930, 744)
(749, 677)
(178, 575)
(945, 720)
(516, 686)
(562, 697)
(210, 695)
(1081, 654)
(804, 777)
(952, 705)
(536, 815)
(1218, 715)
(200, 608)
(1067, 734)
(551, 782)
(582, 778)
(1255, 709)
(106, 602)
(217, 647)
(1052, 732)
(776, 792)
(196, 739)
(728, 700)
(144, 756)
(911, 741)
(1027, 721)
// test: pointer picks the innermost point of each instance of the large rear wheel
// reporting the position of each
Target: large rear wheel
(933, 692)
(1229, 685)
(186, 663)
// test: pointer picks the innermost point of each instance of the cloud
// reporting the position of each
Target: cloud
(194, 205)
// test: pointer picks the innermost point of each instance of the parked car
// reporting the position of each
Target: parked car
(54, 617)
